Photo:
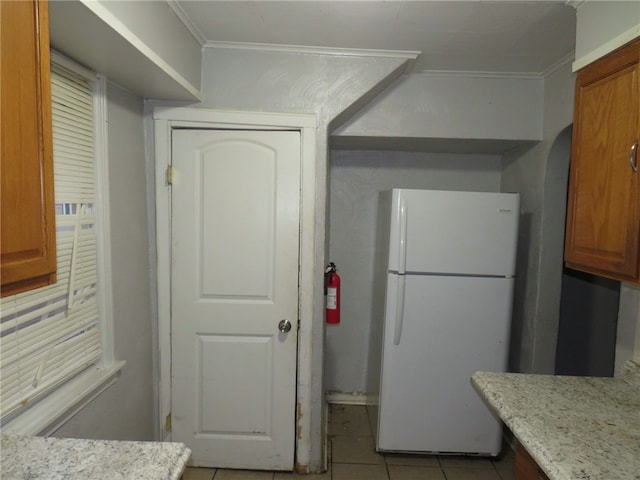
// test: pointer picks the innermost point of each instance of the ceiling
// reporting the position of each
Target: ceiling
(479, 36)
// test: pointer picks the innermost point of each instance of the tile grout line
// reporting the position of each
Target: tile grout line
(330, 449)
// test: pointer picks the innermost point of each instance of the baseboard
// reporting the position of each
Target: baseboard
(348, 398)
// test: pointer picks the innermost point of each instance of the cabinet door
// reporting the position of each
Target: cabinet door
(603, 213)
(26, 166)
(526, 467)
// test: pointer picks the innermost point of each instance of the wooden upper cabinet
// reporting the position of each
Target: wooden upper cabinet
(603, 217)
(27, 225)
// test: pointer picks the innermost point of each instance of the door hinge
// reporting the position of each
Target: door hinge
(169, 175)
(167, 423)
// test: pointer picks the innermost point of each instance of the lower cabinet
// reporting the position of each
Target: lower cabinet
(526, 467)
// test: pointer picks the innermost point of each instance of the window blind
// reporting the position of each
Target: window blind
(49, 335)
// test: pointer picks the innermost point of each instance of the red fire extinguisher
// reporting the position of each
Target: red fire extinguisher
(332, 291)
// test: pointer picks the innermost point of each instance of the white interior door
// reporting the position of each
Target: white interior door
(234, 260)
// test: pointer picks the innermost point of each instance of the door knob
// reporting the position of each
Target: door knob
(284, 325)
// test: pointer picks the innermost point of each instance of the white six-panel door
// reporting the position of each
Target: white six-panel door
(234, 285)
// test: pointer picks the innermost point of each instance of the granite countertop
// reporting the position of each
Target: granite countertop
(574, 427)
(69, 458)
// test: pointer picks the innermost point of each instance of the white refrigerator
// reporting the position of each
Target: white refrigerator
(447, 265)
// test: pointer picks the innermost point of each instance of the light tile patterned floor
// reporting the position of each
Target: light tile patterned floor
(352, 456)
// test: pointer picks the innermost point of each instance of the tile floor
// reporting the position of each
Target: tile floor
(352, 456)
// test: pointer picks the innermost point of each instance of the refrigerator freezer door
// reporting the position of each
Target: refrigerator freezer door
(452, 327)
(467, 233)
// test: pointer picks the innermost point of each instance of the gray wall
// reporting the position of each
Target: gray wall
(531, 172)
(587, 327)
(446, 105)
(125, 410)
(628, 332)
(602, 22)
(356, 178)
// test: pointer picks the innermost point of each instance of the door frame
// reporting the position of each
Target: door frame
(165, 119)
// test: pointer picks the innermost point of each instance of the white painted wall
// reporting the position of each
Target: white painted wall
(603, 26)
(327, 86)
(453, 106)
(356, 178)
(125, 411)
(139, 44)
(158, 27)
(537, 290)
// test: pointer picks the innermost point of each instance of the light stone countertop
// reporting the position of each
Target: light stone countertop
(575, 428)
(36, 458)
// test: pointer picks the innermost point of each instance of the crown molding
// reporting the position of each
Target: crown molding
(478, 74)
(608, 47)
(568, 58)
(574, 3)
(344, 52)
(558, 64)
(187, 22)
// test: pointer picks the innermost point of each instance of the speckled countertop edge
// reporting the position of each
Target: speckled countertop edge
(67, 458)
(631, 373)
(574, 427)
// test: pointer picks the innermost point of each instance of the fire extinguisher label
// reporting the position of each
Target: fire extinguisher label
(332, 298)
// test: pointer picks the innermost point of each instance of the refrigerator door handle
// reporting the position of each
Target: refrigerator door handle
(397, 330)
(402, 244)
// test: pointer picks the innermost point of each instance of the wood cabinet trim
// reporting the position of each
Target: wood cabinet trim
(616, 60)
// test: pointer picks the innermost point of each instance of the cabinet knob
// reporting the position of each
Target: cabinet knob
(633, 156)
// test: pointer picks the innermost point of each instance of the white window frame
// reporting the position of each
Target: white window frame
(56, 408)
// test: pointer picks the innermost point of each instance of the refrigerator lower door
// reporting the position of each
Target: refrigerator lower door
(451, 327)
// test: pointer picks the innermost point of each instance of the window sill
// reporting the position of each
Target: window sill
(53, 411)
